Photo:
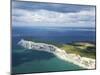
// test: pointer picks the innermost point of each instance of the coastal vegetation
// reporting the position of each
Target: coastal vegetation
(81, 48)
(79, 53)
(84, 49)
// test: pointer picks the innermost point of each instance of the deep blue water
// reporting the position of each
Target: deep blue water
(25, 61)
(58, 35)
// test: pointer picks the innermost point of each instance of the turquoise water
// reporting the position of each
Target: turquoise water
(53, 64)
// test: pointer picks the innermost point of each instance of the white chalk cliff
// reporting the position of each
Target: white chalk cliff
(84, 62)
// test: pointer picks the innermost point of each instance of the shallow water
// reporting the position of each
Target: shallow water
(36, 61)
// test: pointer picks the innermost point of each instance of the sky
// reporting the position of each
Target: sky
(52, 14)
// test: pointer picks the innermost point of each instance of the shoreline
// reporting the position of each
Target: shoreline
(84, 62)
(66, 58)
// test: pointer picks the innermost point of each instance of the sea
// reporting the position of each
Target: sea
(33, 61)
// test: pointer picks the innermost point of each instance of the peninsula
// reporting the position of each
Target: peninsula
(85, 62)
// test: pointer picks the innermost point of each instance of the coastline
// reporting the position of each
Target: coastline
(84, 62)
(67, 57)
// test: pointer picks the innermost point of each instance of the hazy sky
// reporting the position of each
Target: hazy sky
(50, 14)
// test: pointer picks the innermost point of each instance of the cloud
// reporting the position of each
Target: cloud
(24, 13)
(58, 7)
(45, 16)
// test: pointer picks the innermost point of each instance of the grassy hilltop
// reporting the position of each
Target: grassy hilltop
(85, 49)
(81, 48)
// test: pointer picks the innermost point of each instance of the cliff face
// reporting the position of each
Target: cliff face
(37, 46)
(71, 57)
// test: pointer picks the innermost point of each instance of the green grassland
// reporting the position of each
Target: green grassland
(82, 49)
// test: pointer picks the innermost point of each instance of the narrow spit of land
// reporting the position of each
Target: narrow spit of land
(81, 54)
